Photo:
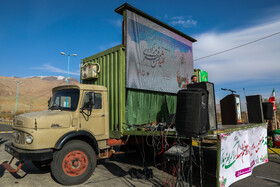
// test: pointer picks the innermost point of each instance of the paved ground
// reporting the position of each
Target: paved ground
(114, 172)
(109, 172)
(264, 175)
(4, 128)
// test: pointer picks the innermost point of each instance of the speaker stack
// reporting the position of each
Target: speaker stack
(211, 101)
(192, 112)
(192, 119)
(258, 111)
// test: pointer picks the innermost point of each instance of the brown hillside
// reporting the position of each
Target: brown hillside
(34, 92)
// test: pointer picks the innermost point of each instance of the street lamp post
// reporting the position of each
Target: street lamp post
(62, 53)
(18, 82)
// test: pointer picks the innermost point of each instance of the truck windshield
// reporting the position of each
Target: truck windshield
(65, 100)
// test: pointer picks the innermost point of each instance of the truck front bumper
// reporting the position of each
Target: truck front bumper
(34, 155)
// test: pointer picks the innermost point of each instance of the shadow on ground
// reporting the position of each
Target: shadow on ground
(27, 168)
(135, 159)
(2, 141)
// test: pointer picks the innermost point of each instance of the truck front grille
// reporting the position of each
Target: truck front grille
(19, 137)
(19, 123)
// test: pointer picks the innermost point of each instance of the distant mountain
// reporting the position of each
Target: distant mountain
(33, 93)
(54, 78)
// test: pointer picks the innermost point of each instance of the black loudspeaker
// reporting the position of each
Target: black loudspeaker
(231, 110)
(267, 110)
(254, 109)
(192, 112)
(211, 101)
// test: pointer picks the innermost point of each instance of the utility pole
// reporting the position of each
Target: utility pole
(18, 82)
(246, 105)
(30, 104)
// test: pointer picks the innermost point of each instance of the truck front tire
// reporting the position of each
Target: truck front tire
(74, 163)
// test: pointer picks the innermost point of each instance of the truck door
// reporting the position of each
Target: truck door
(93, 120)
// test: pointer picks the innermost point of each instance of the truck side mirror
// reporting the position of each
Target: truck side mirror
(89, 98)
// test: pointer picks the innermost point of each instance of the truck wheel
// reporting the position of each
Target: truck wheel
(43, 165)
(74, 163)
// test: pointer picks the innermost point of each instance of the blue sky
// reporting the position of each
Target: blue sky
(32, 34)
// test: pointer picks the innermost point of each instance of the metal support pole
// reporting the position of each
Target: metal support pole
(275, 120)
(190, 176)
(17, 95)
(68, 68)
(201, 164)
(246, 105)
(62, 53)
(16, 99)
(68, 78)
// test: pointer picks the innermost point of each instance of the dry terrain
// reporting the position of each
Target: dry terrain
(33, 94)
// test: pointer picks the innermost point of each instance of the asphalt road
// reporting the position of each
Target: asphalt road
(114, 172)
(5, 128)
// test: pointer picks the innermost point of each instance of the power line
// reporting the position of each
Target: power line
(237, 46)
(249, 90)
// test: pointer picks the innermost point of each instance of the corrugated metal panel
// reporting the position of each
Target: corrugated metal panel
(112, 75)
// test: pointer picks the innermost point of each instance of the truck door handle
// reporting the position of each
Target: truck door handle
(103, 115)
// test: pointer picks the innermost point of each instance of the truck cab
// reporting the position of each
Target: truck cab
(68, 136)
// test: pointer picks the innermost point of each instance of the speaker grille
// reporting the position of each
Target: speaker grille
(211, 101)
(229, 110)
(267, 110)
(254, 109)
(192, 112)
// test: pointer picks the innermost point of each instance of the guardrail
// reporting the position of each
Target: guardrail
(6, 132)
(6, 122)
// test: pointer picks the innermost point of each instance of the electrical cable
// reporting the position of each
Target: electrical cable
(204, 169)
(237, 46)
(160, 144)
(162, 150)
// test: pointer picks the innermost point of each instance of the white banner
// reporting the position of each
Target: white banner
(240, 152)
(157, 59)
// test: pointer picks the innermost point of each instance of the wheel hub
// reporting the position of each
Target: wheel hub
(75, 163)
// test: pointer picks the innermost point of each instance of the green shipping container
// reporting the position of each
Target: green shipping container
(128, 108)
(112, 75)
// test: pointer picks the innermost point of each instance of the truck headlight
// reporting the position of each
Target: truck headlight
(28, 139)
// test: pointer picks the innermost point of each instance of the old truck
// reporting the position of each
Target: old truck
(85, 121)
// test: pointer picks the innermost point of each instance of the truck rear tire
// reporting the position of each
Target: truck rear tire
(74, 163)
